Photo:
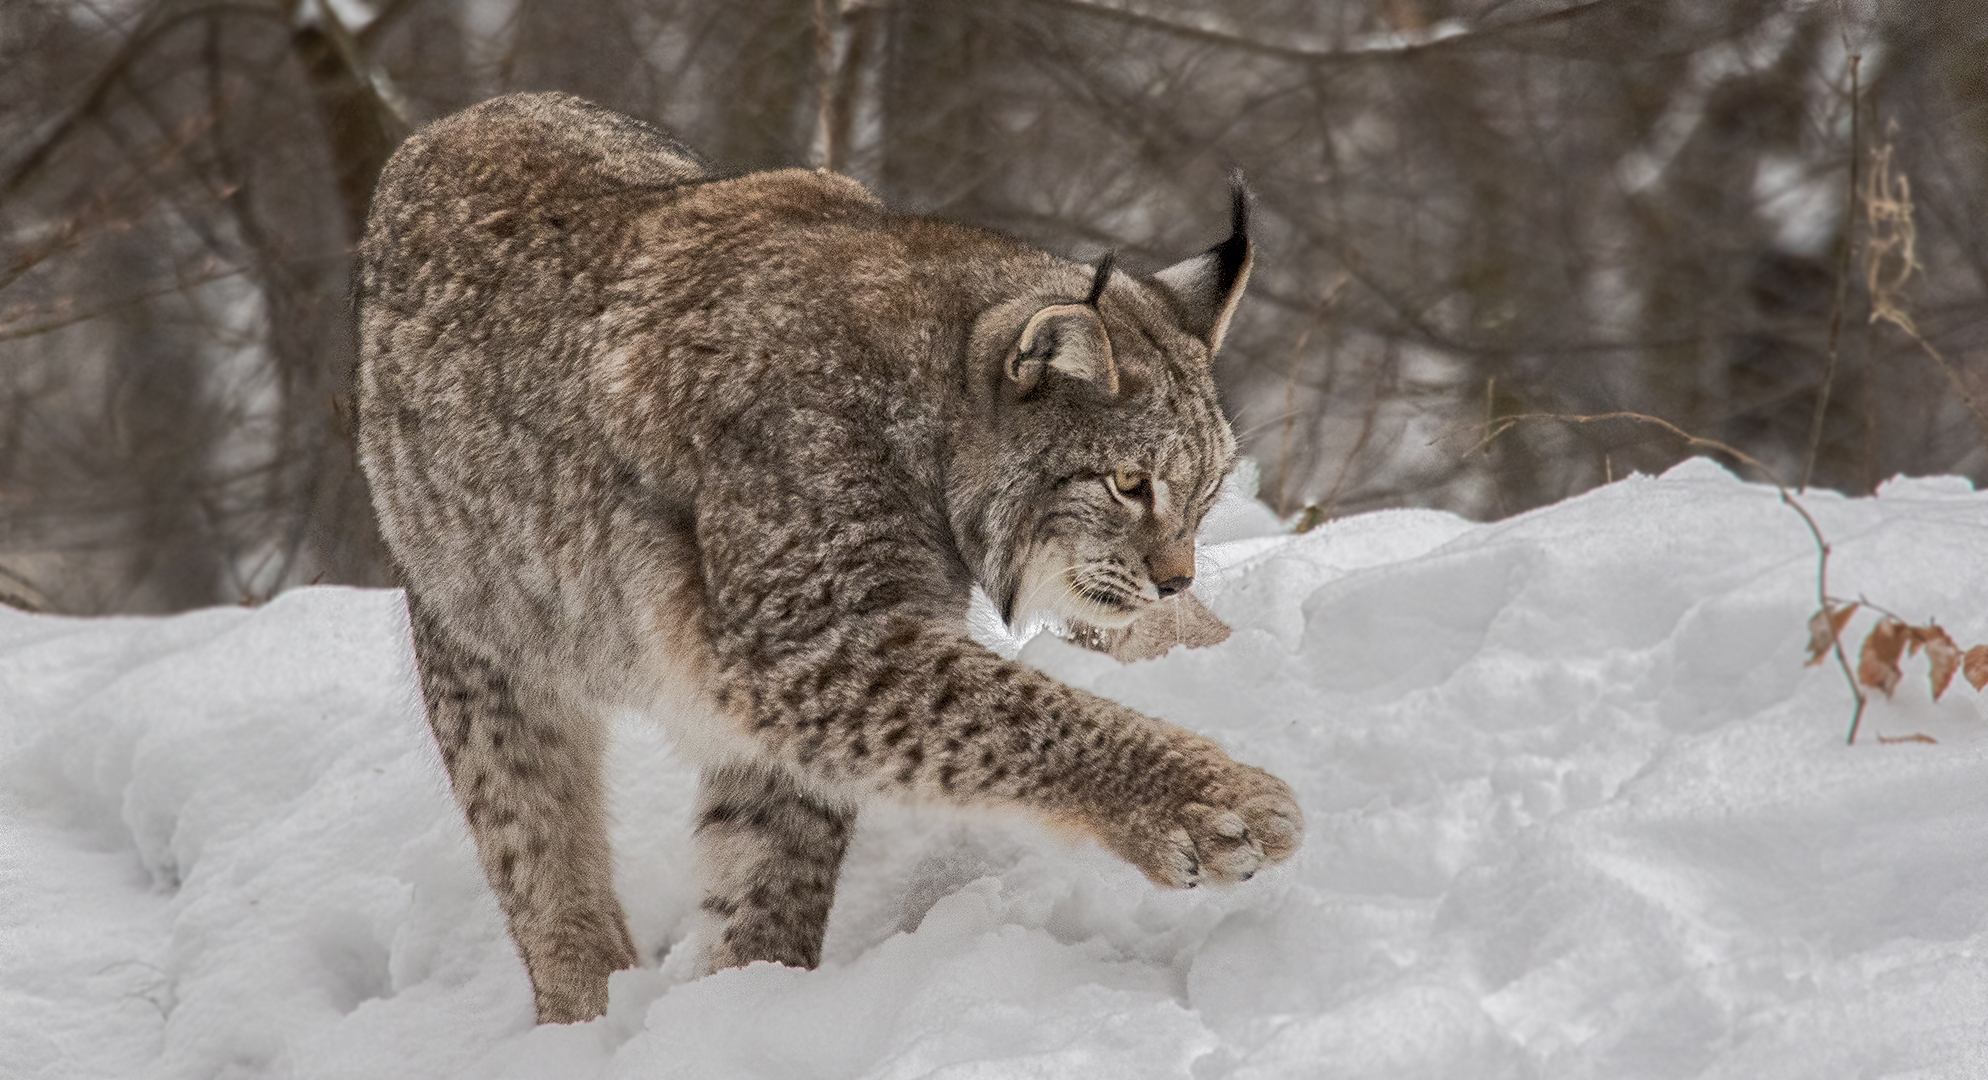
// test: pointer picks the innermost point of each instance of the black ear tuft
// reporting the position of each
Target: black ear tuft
(1101, 279)
(1233, 253)
(1206, 288)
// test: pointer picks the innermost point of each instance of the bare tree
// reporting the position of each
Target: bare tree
(1468, 209)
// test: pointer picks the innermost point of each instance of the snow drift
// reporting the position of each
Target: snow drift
(1575, 806)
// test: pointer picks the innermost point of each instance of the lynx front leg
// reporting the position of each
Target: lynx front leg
(1184, 812)
(770, 853)
(526, 771)
(937, 717)
(842, 655)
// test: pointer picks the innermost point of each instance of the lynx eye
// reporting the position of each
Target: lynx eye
(1130, 485)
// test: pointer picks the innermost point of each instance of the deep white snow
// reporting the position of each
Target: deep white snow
(1576, 809)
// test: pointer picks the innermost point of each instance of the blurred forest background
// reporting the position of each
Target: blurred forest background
(1763, 220)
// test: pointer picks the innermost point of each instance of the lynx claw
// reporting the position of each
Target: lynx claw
(1182, 869)
(1222, 847)
(1225, 848)
(1214, 822)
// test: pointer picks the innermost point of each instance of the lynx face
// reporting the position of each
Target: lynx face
(1107, 439)
(1117, 532)
(1102, 442)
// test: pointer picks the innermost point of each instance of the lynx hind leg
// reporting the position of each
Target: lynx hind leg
(526, 771)
(769, 853)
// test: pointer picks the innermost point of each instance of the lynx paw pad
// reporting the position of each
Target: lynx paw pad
(1222, 846)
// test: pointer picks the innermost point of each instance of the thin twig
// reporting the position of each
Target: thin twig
(63, 320)
(151, 27)
(1506, 423)
(1285, 450)
(825, 133)
(1842, 279)
(1369, 419)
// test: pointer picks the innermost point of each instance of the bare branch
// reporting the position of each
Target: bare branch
(1393, 46)
(1846, 243)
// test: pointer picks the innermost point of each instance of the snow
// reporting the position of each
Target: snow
(1576, 809)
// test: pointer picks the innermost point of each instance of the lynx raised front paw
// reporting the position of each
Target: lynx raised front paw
(1243, 820)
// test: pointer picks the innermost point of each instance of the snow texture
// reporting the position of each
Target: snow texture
(1576, 809)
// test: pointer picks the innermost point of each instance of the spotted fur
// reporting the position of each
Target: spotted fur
(732, 452)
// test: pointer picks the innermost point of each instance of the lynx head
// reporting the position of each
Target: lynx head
(1101, 443)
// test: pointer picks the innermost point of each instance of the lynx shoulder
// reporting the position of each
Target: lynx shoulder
(732, 452)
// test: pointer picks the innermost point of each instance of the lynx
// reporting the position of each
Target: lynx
(732, 452)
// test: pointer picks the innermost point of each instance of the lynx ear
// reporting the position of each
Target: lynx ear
(1205, 288)
(1069, 338)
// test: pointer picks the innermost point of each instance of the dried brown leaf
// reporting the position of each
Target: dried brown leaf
(1975, 666)
(1824, 627)
(1877, 665)
(1942, 655)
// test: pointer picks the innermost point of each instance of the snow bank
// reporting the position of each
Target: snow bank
(1576, 810)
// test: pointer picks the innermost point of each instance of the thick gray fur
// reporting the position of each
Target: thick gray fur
(732, 453)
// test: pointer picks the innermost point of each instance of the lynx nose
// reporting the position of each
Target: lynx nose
(1172, 568)
(1173, 585)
